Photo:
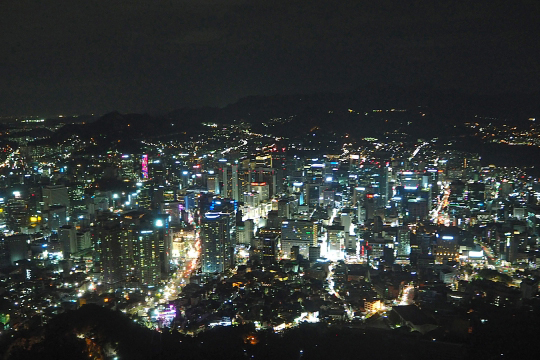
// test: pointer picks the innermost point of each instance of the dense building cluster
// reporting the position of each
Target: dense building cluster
(231, 226)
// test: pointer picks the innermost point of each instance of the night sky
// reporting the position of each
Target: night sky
(73, 56)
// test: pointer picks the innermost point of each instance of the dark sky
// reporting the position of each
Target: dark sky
(94, 56)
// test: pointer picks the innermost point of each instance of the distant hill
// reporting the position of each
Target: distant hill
(429, 113)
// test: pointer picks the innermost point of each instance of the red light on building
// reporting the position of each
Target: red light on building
(144, 166)
(258, 183)
(369, 196)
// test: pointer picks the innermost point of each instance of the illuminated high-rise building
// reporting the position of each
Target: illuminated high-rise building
(55, 217)
(335, 240)
(403, 242)
(299, 233)
(234, 182)
(150, 239)
(134, 247)
(236, 190)
(67, 235)
(268, 176)
(225, 180)
(144, 166)
(329, 197)
(313, 194)
(218, 241)
(127, 167)
(447, 247)
(212, 182)
(113, 253)
(261, 189)
(370, 205)
(55, 195)
(157, 171)
(244, 232)
(269, 248)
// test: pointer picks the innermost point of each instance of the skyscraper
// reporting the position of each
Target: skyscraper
(112, 250)
(218, 241)
(299, 233)
(55, 195)
(212, 182)
(151, 246)
(236, 190)
(403, 242)
(134, 247)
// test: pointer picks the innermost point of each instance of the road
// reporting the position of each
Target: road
(332, 291)
(175, 284)
(417, 150)
(407, 296)
(436, 214)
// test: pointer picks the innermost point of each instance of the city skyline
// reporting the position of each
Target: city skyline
(240, 179)
(331, 218)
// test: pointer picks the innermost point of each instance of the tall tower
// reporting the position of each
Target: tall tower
(113, 253)
(269, 176)
(135, 246)
(235, 185)
(225, 175)
(404, 242)
(55, 195)
(299, 233)
(212, 182)
(144, 166)
(150, 245)
(218, 241)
